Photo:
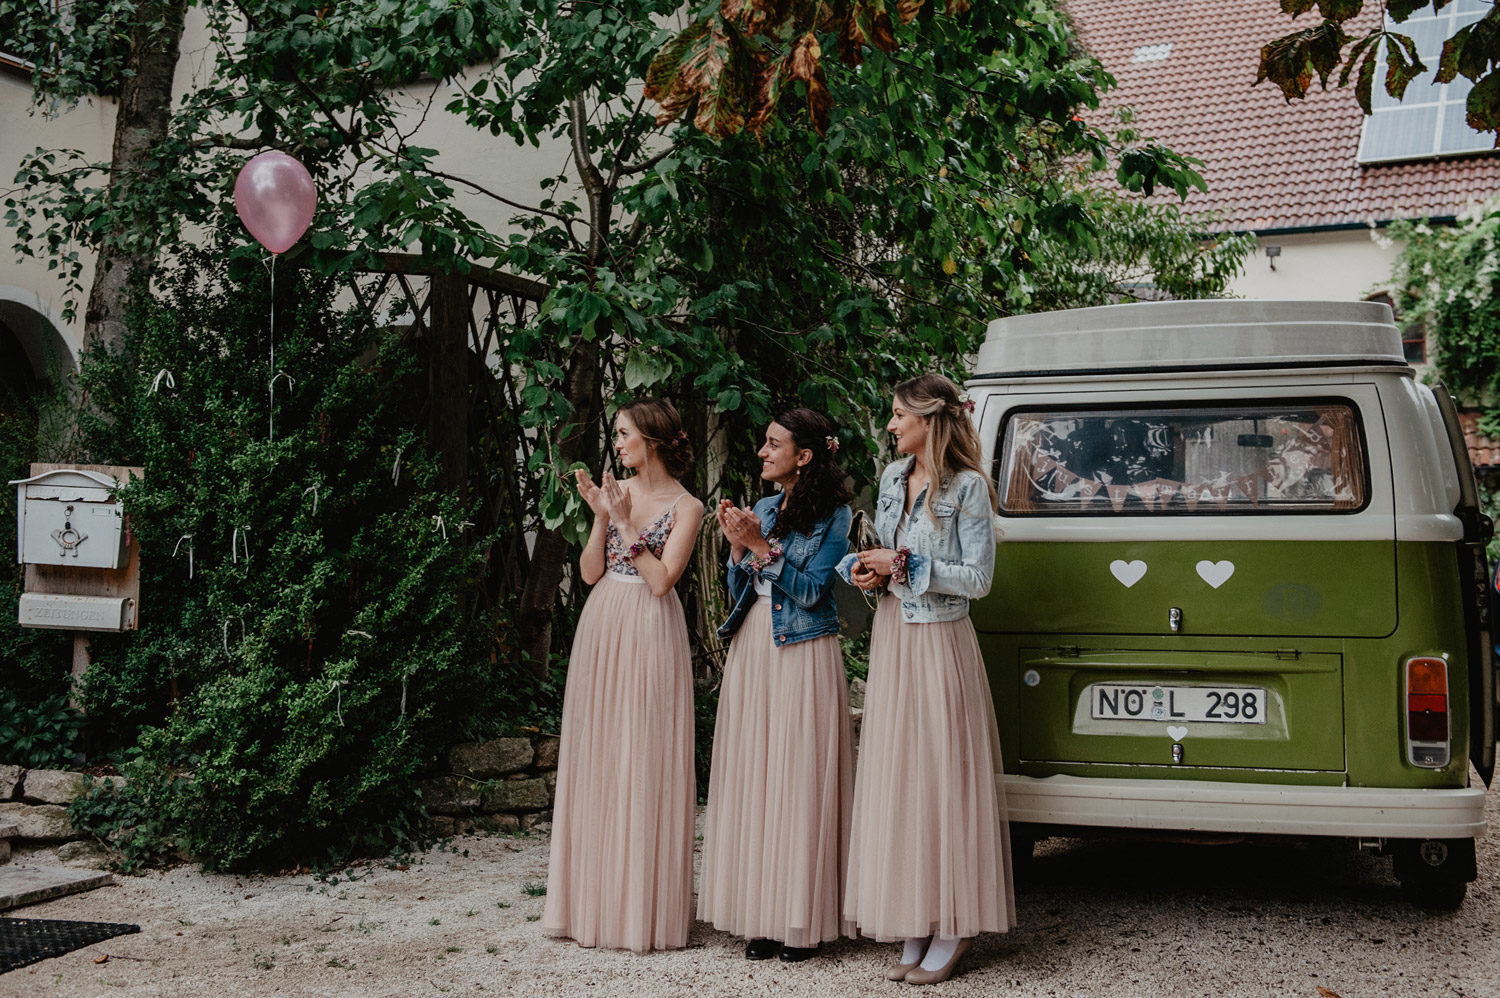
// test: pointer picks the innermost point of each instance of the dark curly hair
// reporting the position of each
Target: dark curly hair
(657, 421)
(821, 487)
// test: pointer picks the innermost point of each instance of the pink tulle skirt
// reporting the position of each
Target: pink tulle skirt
(930, 851)
(776, 835)
(621, 869)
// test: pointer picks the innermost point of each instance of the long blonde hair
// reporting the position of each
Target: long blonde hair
(952, 443)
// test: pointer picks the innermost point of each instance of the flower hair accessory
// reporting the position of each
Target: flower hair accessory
(965, 403)
(833, 444)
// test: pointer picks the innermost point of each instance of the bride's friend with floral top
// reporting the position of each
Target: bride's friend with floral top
(929, 862)
(621, 869)
(776, 834)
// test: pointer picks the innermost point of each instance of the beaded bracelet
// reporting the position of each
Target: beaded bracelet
(758, 562)
(898, 565)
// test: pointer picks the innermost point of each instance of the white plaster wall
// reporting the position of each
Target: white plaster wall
(89, 128)
(1348, 265)
(493, 162)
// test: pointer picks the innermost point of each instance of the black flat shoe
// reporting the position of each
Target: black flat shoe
(795, 954)
(762, 949)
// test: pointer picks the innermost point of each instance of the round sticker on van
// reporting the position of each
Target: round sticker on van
(1032, 677)
(1292, 601)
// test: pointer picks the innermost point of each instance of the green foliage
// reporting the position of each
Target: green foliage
(81, 48)
(130, 823)
(39, 736)
(1472, 51)
(325, 644)
(705, 716)
(1447, 281)
(34, 663)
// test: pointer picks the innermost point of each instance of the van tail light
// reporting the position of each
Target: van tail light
(1428, 729)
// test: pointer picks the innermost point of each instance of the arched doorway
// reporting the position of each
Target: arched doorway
(34, 357)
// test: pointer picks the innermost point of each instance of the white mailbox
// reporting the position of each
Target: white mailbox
(69, 518)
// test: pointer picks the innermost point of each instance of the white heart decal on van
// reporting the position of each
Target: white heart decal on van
(1128, 572)
(1177, 731)
(1215, 573)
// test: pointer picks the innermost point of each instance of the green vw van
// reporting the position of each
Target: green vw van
(1240, 587)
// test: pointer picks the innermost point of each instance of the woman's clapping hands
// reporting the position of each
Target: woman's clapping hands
(608, 499)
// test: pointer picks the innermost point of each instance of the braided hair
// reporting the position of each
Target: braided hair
(658, 423)
(821, 486)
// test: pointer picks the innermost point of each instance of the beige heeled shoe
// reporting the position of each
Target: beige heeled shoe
(920, 976)
(899, 971)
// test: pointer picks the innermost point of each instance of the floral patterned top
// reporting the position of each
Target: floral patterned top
(617, 552)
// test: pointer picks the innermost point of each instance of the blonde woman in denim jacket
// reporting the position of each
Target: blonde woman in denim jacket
(929, 860)
(781, 786)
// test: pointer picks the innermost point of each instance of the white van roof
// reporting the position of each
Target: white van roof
(1195, 335)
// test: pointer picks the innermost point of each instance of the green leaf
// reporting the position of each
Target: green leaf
(644, 369)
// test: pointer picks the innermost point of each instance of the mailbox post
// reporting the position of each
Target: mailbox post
(82, 566)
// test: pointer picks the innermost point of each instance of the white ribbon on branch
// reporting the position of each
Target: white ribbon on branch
(189, 539)
(156, 381)
(226, 635)
(235, 544)
(290, 384)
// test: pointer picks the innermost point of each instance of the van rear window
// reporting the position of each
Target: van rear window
(1270, 458)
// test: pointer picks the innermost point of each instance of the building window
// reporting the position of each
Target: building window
(1413, 332)
(8, 32)
(82, 20)
(1431, 120)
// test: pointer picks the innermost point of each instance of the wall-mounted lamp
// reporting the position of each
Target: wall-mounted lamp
(1272, 252)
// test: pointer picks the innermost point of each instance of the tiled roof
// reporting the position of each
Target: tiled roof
(1484, 452)
(1270, 165)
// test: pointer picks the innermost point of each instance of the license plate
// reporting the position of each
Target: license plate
(1223, 704)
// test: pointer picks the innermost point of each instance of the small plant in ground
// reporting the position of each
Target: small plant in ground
(39, 736)
(534, 888)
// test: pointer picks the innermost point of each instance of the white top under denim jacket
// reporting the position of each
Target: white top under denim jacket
(801, 579)
(952, 561)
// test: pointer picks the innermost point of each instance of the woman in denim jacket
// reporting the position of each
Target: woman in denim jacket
(776, 834)
(929, 861)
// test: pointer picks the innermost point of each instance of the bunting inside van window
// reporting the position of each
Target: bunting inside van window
(1281, 457)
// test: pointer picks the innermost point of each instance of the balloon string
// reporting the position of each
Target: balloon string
(273, 313)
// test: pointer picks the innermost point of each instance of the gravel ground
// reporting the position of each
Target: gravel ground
(1097, 918)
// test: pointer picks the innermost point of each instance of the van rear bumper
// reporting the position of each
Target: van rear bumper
(1250, 808)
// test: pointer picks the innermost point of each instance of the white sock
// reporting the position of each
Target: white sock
(940, 952)
(913, 951)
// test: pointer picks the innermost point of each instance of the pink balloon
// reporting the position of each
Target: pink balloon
(275, 198)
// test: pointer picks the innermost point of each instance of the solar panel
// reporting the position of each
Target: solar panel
(1430, 121)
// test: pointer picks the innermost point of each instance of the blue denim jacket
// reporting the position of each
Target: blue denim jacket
(801, 579)
(950, 563)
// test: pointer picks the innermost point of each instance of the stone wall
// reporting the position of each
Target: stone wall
(35, 803)
(503, 785)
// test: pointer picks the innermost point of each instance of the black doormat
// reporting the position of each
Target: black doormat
(25, 941)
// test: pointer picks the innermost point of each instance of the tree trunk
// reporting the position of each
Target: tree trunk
(141, 120)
